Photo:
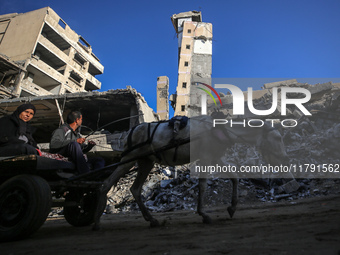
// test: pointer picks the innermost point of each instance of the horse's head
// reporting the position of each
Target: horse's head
(272, 147)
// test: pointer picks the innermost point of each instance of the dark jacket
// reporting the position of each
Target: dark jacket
(62, 136)
(10, 127)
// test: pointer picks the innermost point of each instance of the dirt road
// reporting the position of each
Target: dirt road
(309, 226)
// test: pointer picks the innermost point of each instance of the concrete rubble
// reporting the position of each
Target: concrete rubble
(316, 139)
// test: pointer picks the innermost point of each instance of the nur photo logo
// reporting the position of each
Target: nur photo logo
(282, 98)
(204, 96)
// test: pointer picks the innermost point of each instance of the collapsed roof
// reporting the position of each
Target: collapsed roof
(98, 109)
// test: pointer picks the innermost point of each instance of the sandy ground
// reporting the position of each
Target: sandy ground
(307, 226)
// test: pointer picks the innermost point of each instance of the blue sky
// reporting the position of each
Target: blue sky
(136, 42)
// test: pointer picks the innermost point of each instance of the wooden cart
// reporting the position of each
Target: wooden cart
(30, 185)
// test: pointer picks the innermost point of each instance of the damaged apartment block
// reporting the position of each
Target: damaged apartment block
(51, 58)
(194, 58)
(44, 62)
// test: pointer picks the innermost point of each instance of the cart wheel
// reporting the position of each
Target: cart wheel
(25, 202)
(81, 214)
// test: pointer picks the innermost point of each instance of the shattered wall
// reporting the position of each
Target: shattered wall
(10, 76)
(163, 97)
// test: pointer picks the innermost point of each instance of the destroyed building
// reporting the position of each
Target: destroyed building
(263, 99)
(53, 67)
(41, 55)
(194, 58)
(315, 140)
(44, 62)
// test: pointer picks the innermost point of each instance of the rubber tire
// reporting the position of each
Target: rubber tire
(25, 202)
(82, 214)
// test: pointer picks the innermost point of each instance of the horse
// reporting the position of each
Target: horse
(157, 142)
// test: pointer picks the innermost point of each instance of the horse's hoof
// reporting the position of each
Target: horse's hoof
(95, 227)
(231, 211)
(207, 220)
(154, 223)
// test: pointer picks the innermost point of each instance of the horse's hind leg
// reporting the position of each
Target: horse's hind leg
(144, 168)
(234, 198)
(202, 185)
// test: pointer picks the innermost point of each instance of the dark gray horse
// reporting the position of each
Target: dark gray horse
(150, 143)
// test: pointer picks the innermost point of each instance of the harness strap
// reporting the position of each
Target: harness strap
(148, 140)
(175, 154)
(157, 154)
(130, 137)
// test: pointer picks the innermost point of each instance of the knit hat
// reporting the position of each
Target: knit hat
(24, 107)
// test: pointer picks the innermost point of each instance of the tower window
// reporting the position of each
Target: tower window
(189, 31)
(182, 108)
(186, 63)
(187, 46)
(184, 85)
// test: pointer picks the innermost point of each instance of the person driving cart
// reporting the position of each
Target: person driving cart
(67, 141)
(16, 132)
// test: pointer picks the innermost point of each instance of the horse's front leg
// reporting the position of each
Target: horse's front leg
(144, 168)
(202, 185)
(105, 188)
(234, 198)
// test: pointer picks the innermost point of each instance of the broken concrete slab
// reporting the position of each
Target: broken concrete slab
(318, 88)
(289, 187)
(280, 83)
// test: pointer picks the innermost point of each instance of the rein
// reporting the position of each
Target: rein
(130, 117)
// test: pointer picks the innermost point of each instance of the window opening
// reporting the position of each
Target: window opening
(79, 59)
(3, 28)
(76, 77)
(62, 23)
(84, 43)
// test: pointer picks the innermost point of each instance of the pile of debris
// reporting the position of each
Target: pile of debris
(162, 193)
(315, 140)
